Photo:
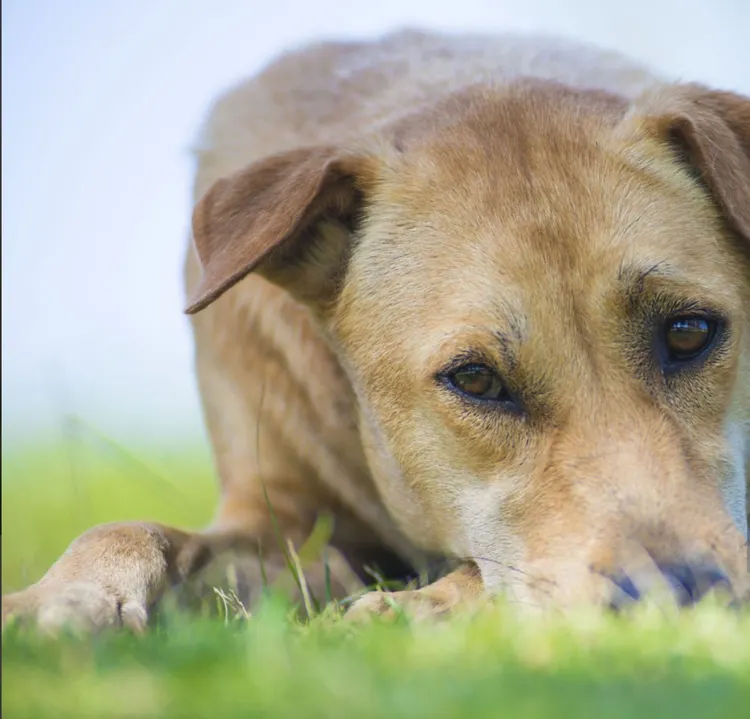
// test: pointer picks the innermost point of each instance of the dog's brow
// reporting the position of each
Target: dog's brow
(633, 280)
(635, 275)
(632, 277)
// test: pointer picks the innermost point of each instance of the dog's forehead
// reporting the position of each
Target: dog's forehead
(517, 205)
(541, 182)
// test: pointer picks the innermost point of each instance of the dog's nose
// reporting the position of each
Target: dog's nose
(689, 584)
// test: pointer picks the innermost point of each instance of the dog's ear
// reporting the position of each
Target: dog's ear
(710, 131)
(288, 216)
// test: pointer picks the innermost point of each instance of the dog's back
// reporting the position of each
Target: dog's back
(330, 92)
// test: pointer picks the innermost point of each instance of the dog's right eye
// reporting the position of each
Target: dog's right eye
(478, 382)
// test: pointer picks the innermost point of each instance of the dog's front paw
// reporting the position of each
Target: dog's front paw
(461, 588)
(108, 577)
(416, 604)
(78, 606)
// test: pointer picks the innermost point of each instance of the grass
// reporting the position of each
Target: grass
(492, 664)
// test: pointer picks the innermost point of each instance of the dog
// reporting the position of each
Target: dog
(481, 299)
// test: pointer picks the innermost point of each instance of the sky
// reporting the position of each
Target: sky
(100, 104)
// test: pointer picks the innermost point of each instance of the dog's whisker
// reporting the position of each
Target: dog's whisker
(533, 580)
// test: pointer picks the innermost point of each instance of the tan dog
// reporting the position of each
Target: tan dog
(499, 312)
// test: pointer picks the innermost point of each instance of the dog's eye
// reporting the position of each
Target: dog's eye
(479, 382)
(688, 336)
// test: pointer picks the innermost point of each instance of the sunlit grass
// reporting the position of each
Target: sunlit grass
(270, 664)
(488, 665)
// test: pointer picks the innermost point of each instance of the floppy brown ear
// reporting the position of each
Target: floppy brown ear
(711, 131)
(267, 217)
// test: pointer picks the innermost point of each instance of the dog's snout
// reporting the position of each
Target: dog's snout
(688, 584)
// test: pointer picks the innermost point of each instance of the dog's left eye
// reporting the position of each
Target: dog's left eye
(688, 336)
(480, 382)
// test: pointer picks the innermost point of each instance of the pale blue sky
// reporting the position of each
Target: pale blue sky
(100, 103)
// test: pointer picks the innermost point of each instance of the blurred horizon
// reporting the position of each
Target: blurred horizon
(101, 103)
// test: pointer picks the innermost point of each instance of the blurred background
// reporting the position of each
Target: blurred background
(100, 104)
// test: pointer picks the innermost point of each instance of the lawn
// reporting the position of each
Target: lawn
(492, 664)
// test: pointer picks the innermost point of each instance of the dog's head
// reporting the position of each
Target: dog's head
(542, 299)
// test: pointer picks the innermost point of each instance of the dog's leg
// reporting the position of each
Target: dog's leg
(113, 574)
(110, 575)
(459, 589)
